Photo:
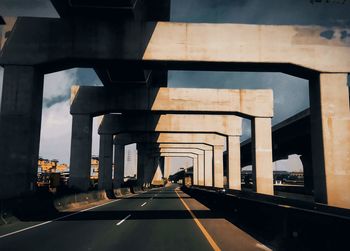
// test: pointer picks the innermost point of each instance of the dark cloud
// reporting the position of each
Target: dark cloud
(34, 8)
(290, 93)
(48, 102)
(82, 76)
(301, 12)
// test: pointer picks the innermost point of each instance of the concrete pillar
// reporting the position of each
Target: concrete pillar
(161, 165)
(330, 137)
(105, 162)
(119, 160)
(234, 162)
(201, 168)
(306, 160)
(167, 167)
(158, 176)
(141, 162)
(80, 154)
(195, 171)
(218, 166)
(208, 173)
(262, 155)
(20, 123)
(149, 169)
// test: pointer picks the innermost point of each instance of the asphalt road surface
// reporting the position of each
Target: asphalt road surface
(159, 219)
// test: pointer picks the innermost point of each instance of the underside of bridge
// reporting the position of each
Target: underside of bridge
(131, 45)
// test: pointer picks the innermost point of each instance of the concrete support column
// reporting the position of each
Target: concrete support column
(167, 167)
(105, 162)
(119, 160)
(195, 171)
(234, 162)
(330, 135)
(201, 168)
(20, 123)
(141, 162)
(208, 173)
(262, 155)
(80, 154)
(218, 166)
(308, 173)
(157, 177)
(149, 169)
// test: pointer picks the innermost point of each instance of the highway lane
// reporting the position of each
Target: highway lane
(159, 219)
(155, 220)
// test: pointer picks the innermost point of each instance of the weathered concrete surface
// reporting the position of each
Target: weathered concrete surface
(119, 160)
(151, 166)
(141, 163)
(218, 166)
(80, 154)
(188, 145)
(250, 43)
(167, 167)
(198, 138)
(262, 156)
(222, 124)
(99, 100)
(105, 162)
(208, 171)
(174, 42)
(330, 127)
(20, 121)
(234, 163)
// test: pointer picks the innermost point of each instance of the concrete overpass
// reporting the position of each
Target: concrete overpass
(131, 45)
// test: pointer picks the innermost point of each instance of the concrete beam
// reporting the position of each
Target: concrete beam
(222, 124)
(194, 158)
(95, 100)
(188, 145)
(198, 138)
(201, 160)
(184, 45)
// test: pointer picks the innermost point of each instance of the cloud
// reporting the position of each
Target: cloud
(56, 122)
(33, 8)
(57, 87)
(285, 104)
(261, 12)
(56, 126)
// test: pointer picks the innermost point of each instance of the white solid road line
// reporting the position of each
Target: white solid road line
(143, 204)
(62, 217)
(56, 219)
(121, 222)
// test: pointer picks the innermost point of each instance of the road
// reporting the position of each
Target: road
(159, 219)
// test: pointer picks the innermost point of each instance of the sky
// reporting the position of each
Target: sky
(290, 93)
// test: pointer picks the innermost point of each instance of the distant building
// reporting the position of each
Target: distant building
(51, 166)
(94, 167)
